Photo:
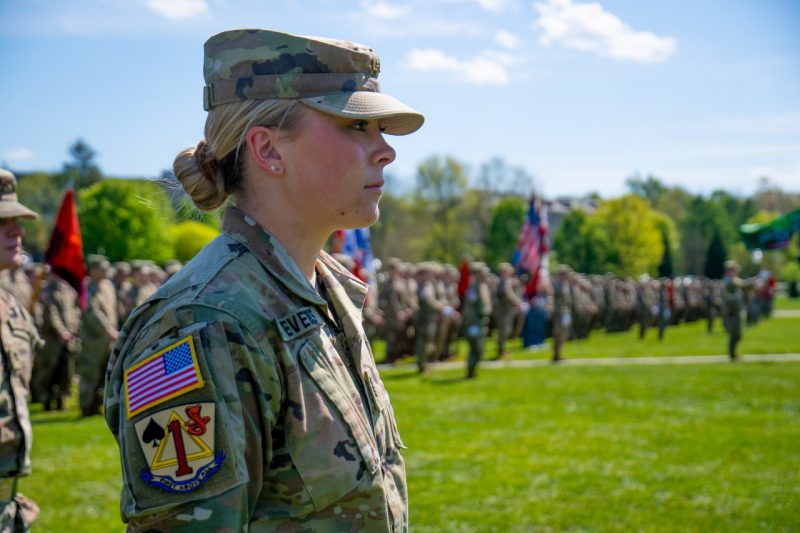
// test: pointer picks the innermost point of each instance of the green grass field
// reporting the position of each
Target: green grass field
(656, 448)
(770, 336)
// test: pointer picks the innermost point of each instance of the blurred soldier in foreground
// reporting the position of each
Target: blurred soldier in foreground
(98, 333)
(18, 339)
(476, 312)
(732, 303)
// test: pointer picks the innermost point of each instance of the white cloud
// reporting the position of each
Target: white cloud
(590, 28)
(385, 11)
(481, 70)
(507, 39)
(178, 9)
(18, 155)
(493, 5)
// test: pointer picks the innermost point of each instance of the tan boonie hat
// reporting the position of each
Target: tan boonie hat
(336, 77)
(9, 205)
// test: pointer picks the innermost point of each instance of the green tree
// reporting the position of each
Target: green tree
(583, 244)
(189, 237)
(41, 192)
(441, 185)
(650, 188)
(703, 217)
(502, 237)
(81, 170)
(399, 230)
(669, 237)
(126, 219)
(714, 267)
(632, 227)
(665, 267)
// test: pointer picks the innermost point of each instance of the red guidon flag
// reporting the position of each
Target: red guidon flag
(65, 252)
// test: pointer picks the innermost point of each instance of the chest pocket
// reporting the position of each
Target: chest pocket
(328, 435)
(19, 347)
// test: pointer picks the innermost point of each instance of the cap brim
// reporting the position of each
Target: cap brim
(395, 116)
(14, 209)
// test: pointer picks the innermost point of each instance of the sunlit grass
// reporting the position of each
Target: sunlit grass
(663, 448)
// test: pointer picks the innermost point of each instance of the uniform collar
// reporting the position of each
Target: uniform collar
(269, 252)
(340, 284)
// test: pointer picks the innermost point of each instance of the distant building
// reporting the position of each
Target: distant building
(558, 207)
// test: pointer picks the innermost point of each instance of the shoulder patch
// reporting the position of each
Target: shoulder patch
(164, 375)
(298, 322)
(178, 446)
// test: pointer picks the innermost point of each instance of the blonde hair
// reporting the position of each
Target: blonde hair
(212, 171)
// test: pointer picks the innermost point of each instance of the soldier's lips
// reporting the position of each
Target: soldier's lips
(376, 186)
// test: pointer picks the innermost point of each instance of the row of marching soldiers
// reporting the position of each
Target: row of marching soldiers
(78, 342)
(422, 310)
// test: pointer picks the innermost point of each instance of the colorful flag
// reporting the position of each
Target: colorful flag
(356, 244)
(65, 252)
(162, 376)
(772, 235)
(533, 239)
(463, 278)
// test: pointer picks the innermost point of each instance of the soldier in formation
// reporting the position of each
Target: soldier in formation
(477, 309)
(61, 331)
(98, 333)
(733, 290)
(18, 341)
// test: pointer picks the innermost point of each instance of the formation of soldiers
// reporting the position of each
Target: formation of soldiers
(77, 343)
(421, 309)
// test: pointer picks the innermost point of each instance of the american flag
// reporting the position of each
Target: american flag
(534, 243)
(357, 244)
(162, 376)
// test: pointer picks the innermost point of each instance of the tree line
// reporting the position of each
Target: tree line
(450, 213)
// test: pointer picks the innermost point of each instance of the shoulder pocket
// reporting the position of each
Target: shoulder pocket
(180, 436)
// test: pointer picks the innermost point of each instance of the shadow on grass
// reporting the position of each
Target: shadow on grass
(448, 381)
(42, 418)
(396, 376)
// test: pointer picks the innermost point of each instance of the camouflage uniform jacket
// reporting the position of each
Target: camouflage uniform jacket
(101, 314)
(18, 339)
(61, 314)
(276, 430)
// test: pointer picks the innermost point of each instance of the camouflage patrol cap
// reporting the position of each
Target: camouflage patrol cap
(730, 264)
(123, 268)
(9, 205)
(336, 77)
(97, 260)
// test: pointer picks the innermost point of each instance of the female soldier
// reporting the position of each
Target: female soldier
(243, 393)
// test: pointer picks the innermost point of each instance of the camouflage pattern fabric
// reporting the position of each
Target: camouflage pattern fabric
(476, 311)
(732, 305)
(253, 64)
(55, 362)
(99, 321)
(286, 425)
(506, 307)
(18, 340)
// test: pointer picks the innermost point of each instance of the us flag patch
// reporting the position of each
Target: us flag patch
(162, 376)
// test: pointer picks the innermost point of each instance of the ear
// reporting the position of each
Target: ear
(261, 146)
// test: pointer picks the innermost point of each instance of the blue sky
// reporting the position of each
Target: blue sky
(582, 95)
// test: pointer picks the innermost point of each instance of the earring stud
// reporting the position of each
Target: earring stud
(274, 168)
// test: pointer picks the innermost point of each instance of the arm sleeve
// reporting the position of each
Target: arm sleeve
(240, 395)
